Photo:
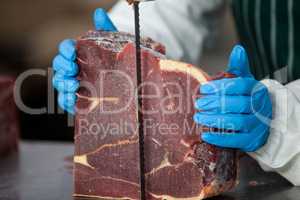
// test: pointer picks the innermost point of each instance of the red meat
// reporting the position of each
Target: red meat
(9, 122)
(178, 164)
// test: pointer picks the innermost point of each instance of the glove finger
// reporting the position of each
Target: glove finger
(261, 133)
(70, 110)
(65, 84)
(226, 140)
(235, 122)
(239, 62)
(67, 49)
(102, 21)
(233, 86)
(64, 66)
(67, 102)
(224, 104)
(261, 104)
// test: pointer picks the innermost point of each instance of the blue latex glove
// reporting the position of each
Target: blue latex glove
(239, 104)
(66, 68)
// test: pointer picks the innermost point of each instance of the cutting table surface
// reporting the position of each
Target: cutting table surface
(43, 171)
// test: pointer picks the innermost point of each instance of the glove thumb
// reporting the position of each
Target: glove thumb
(102, 21)
(239, 63)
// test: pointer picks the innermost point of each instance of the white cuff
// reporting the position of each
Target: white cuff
(282, 150)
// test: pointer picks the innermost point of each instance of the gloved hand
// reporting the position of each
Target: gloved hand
(66, 69)
(240, 104)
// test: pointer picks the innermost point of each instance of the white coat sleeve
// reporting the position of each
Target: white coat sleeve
(282, 150)
(183, 26)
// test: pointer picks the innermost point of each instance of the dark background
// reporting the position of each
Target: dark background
(29, 34)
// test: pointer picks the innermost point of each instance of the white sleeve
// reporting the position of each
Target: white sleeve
(282, 150)
(183, 26)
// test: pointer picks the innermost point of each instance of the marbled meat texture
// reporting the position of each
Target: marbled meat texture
(178, 165)
(9, 121)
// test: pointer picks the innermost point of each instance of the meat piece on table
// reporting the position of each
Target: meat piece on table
(9, 121)
(178, 164)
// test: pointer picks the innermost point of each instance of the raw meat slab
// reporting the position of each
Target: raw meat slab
(178, 164)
